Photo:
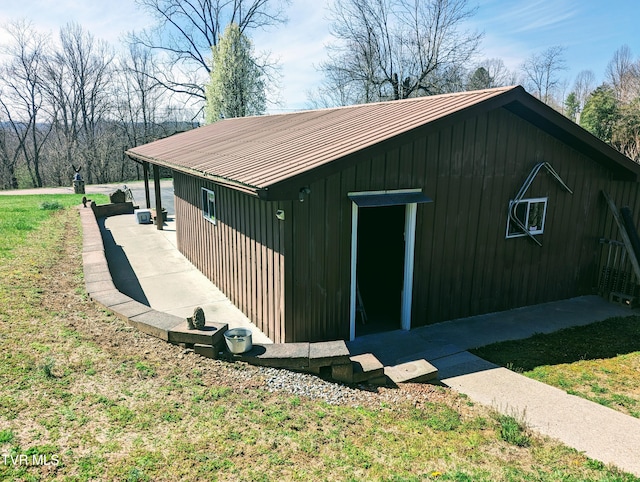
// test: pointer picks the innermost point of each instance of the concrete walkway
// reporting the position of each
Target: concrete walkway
(600, 432)
(146, 265)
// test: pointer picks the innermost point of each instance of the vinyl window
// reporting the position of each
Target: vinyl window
(531, 213)
(209, 205)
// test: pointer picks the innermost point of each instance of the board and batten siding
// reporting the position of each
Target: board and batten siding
(242, 253)
(464, 265)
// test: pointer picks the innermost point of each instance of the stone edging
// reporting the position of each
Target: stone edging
(100, 288)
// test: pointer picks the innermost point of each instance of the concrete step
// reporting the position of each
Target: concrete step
(155, 323)
(211, 334)
(412, 371)
(207, 351)
(326, 354)
(294, 356)
(366, 367)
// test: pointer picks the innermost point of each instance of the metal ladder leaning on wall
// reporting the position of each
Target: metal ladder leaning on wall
(619, 277)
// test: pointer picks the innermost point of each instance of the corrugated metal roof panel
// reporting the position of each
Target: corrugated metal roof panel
(258, 152)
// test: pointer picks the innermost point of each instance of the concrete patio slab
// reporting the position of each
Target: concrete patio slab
(146, 266)
(186, 292)
(441, 339)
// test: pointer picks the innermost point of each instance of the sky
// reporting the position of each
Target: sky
(589, 30)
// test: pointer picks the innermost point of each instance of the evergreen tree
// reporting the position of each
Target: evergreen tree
(572, 106)
(237, 85)
(601, 112)
(480, 79)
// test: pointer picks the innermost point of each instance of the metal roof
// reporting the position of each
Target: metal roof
(260, 151)
(256, 153)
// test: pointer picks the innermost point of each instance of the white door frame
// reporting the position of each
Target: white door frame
(409, 255)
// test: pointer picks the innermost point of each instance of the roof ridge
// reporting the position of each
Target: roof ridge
(385, 102)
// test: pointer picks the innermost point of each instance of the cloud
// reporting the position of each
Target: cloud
(537, 16)
(106, 20)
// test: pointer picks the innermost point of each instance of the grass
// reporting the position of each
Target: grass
(513, 431)
(599, 362)
(115, 404)
(22, 214)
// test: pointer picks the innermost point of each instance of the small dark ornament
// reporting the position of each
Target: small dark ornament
(197, 321)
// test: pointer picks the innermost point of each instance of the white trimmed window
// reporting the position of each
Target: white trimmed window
(531, 213)
(209, 205)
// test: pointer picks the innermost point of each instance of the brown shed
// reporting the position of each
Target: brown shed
(399, 213)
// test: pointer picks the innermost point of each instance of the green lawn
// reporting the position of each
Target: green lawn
(600, 362)
(21, 215)
(82, 388)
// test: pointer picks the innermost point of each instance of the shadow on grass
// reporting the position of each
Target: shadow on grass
(604, 339)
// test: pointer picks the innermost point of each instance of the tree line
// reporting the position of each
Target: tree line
(396, 49)
(74, 102)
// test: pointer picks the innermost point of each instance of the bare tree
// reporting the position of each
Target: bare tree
(395, 49)
(542, 70)
(138, 105)
(336, 91)
(22, 98)
(140, 97)
(78, 80)
(584, 84)
(623, 73)
(185, 32)
(8, 158)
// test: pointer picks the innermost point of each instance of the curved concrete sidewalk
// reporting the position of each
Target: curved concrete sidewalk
(600, 432)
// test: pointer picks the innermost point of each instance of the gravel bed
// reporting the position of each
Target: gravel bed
(311, 386)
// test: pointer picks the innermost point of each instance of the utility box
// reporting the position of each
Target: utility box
(143, 216)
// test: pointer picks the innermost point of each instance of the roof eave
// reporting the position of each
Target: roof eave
(557, 125)
(238, 186)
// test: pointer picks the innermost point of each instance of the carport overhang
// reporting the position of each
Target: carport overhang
(156, 189)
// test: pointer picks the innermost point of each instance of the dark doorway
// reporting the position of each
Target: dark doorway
(380, 267)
